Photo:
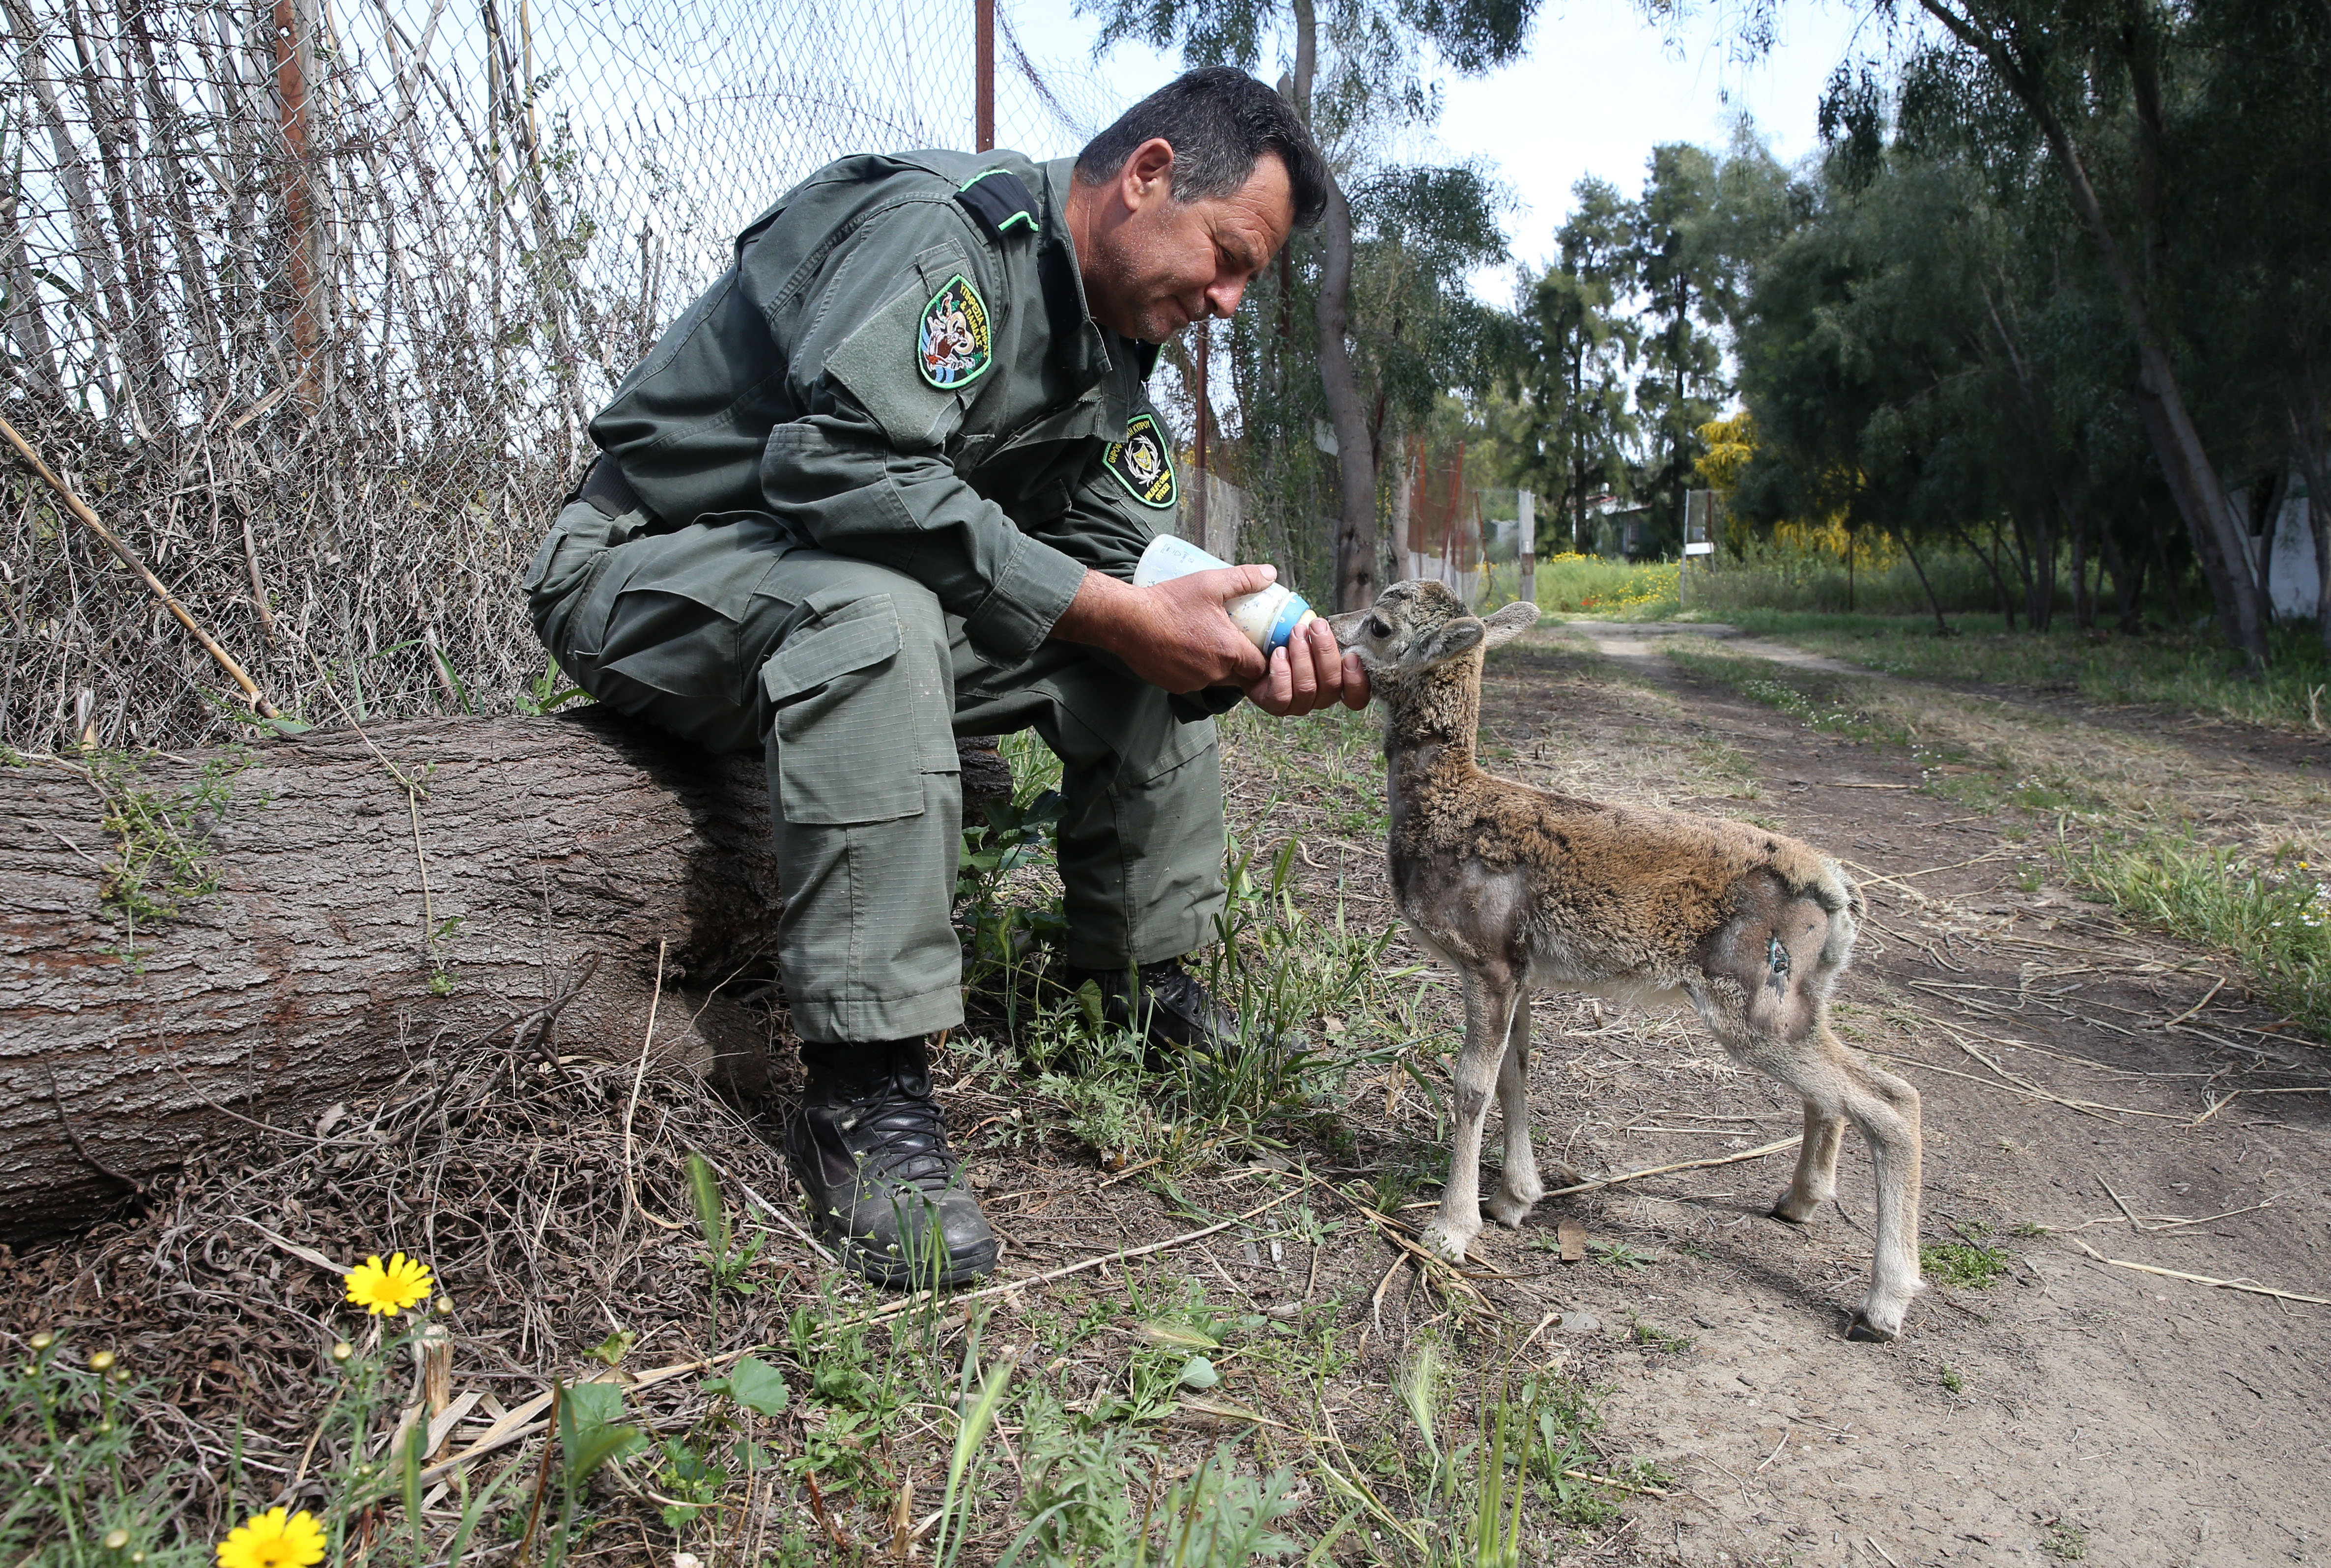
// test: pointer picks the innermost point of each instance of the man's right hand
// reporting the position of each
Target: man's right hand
(1173, 635)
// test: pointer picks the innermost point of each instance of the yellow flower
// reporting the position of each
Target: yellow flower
(389, 1290)
(270, 1539)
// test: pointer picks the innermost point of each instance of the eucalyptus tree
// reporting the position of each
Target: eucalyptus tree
(1565, 360)
(1420, 232)
(1376, 82)
(1701, 224)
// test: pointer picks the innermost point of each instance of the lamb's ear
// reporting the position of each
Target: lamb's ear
(1460, 636)
(1509, 624)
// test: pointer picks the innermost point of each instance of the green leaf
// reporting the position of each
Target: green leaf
(601, 1445)
(613, 1349)
(1199, 1373)
(587, 1435)
(711, 1218)
(752, 1384)
(586, 1406)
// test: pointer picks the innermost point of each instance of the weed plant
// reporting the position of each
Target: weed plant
(1966, 1265)
(2271, 911)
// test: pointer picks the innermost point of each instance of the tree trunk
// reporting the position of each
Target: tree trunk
(2128, 578)
(551, 858)
(1942, 627)
(1356, 525)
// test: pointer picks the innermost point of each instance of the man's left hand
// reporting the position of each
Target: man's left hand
(1310, 673)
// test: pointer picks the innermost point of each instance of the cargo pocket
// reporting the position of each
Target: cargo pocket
(675, 610)
(844, 720)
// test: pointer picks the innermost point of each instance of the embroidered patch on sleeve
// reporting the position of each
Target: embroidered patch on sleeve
(955, 344)
(1141, 464)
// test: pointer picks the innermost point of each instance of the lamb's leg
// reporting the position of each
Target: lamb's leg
(1488, 1014)
(1886, 1110)
(1815, 1183)
(1519, 1187)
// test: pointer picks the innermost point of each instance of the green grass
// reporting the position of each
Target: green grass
(2188, 672)
(1823, 702)
(1964, 1265)
(2270, 912)
(1589, 587)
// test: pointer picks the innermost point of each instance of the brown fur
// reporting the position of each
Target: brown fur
(1519, 888)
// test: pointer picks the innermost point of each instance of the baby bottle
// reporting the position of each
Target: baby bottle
(1267, 617)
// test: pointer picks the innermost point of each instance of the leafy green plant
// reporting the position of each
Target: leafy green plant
(1968, 1265)
(75, 1425)
(976, 1418)
(544, 695)
(1617, 1255)
(694, 1469)
(726, 1265)
(591, 1435)
(163, 860)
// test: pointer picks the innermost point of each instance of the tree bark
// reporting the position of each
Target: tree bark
(1356, 525)
(355, 937)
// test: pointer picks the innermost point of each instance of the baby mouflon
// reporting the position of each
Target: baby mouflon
(1518, 890)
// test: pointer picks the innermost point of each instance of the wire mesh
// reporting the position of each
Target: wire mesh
(312, 300)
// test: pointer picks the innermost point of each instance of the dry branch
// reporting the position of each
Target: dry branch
(2214, 1283)
(129, 558)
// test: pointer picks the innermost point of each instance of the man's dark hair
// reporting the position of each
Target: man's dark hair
(1218, 120)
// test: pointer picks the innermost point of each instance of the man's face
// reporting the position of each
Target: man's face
(1152, 265)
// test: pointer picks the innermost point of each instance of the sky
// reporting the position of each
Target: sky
(1598, 89)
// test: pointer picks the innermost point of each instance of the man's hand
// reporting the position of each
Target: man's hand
(1174, 634)
(1310, 673)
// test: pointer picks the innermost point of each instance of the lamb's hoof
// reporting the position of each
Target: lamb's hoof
(1509, 1210)
(1446, 1244)
(1862, 1331)
(1803, 1215)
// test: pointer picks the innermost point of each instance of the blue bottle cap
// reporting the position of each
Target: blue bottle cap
(1291, 614)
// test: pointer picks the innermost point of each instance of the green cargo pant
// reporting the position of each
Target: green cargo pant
(855, 682)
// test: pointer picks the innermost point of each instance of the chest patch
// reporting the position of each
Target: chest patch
(955, 342)
(1141, 463)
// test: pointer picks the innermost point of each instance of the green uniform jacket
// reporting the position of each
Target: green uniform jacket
(893, 379)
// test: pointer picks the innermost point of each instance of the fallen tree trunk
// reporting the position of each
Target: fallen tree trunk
(352, 908)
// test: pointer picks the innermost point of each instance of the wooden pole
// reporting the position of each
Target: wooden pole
(983, 111)
(1198, 502)
(291, 44)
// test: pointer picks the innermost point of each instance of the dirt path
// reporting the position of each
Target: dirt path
(2075, 1075)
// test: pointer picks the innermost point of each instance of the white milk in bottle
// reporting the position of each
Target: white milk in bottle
(1267, 618)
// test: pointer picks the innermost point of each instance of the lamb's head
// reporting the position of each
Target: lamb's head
(1419, 626)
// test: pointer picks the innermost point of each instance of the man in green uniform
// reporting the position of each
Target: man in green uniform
(885, 483)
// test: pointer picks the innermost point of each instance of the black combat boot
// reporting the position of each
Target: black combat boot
(1166, 1005)
(869, 1150)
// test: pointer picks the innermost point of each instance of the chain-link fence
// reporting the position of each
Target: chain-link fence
(310, 300)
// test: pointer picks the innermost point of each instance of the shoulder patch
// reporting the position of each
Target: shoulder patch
(955, 343)
(999, 201)
(1142, 465)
